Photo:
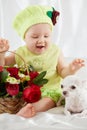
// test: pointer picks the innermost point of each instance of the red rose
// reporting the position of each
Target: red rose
(33, 74)
(54, 16)
(13, 72)
(32, 94)
(12, 89)
(1, 68)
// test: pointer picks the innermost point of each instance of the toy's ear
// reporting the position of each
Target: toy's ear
(84, 83)
(78, 82)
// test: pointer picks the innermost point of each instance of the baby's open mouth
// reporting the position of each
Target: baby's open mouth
(40, 47)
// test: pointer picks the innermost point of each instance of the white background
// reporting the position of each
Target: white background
(70, 33)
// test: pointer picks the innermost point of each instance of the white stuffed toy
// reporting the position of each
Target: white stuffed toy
(74, 90)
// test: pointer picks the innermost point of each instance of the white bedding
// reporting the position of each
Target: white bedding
(50, 120)
(43, 121)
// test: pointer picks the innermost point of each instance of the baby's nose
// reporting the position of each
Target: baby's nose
(64, 92)
(41, 40)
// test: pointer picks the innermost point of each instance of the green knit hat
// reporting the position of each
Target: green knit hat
(34, 15)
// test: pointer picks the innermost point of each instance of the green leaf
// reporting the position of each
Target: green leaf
(39, 77)
(2, 89)
(53, 8)
(31, 68)
(3, 76)
(41, 82)
(49, 13)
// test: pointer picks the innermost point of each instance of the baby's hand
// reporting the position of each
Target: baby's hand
(4, 45)
(76, 65)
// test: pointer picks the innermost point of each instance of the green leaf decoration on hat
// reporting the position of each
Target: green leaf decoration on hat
(53, 9)
(49, 13)
(53, 15)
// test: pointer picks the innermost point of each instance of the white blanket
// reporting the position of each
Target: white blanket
(50, 120)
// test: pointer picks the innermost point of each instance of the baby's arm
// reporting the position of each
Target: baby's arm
(4, 47)
(65, 69)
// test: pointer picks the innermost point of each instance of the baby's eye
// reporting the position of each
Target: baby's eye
(46, 36)
(62, 86)
(34, 36)
(73, 87)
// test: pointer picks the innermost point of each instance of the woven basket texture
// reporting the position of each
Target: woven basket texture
(11, 105)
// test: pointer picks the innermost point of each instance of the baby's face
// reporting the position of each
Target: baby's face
(38, 38)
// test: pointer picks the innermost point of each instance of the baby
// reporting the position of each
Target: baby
(34, 25)
(74, 90)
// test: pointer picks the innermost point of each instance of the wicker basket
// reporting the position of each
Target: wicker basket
(11, 105)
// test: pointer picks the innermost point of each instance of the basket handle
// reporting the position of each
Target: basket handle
(20, 57)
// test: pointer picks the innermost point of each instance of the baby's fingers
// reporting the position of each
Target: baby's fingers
(79, 62)
(3, 41)
(4, 45)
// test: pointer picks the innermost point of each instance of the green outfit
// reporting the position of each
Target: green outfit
(44, 62)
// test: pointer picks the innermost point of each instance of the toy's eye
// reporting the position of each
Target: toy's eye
(73, 87)
(62, 86)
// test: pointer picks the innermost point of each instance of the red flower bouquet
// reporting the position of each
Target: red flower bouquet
(18, 83)
(19, 86)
